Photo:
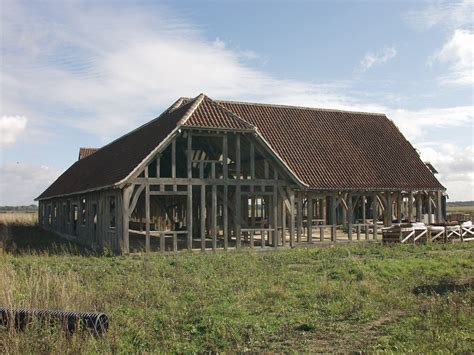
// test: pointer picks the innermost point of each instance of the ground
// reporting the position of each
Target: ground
(362, 297)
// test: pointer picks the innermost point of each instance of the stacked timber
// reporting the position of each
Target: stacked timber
(397, 233)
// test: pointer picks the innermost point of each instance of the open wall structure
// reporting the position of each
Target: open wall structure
(216, 174)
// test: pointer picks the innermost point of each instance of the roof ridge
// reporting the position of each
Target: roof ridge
(231, 113)
(197, 101)
(300, 107)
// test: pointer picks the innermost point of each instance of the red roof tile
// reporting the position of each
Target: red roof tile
(85, 152)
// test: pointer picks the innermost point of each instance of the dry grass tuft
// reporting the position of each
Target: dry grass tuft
(20, 218)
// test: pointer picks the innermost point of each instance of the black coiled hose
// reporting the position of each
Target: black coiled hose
(18, 318)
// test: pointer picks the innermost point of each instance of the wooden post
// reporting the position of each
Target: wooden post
(158, 166)
(399, 207)
(225, 210)
(410, 206)
(350, 216)
(189, 207)
(439, 207)
(364, 206)
(147, 212)
(283, 222)
(419, 206)
(388, 210)
(299, 216)
(375, 214)
(203, 208)
(309, 218)
(429, 207)
(275, 211)
(291, 192)
(173, 163)
(333, 206)
(214, 209)
(127, 193)
(238, 197)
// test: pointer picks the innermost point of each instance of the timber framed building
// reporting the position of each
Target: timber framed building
(212, 174)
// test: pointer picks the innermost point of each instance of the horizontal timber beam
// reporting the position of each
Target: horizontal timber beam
(197, 181)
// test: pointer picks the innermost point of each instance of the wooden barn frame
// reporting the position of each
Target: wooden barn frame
(207, 175)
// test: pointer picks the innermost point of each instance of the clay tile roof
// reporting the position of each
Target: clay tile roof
(333, 149)
(324, 149)
(85, 152)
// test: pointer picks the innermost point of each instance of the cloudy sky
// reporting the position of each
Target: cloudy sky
(82, 73)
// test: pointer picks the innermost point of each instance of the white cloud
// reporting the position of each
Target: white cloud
(377, 58)
(448, 14)
(455, 166)
(414, 123)
(458, 53)
(10, 128)
(20, 183)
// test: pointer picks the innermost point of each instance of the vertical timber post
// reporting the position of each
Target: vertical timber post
(299, 216)
(147, 212)
(238, 198)
(439, 207)
(309, 218)
(410, 206)
(189, 207)
(127, 193)
(291, 192)
(225, 212)
(203, 208)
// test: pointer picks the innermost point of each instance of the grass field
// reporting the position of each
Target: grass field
(461, 208)
(344, 298)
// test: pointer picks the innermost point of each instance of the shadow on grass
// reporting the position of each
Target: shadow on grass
(443, 288)
(21, 239)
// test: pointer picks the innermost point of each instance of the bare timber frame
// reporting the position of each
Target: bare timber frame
(215, 175)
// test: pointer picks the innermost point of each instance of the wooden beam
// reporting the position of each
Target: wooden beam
(333, 216)
(439, 207)
(173, 162)
(410, 206)
(127, 193)
(158, 166)
(430, 210)
(203, 210)
(309, 218)
(364, 207)
(399, 206)
(214, 210)
(350, 216)
(147, 217)
(292, 217)
(189, 207)
(375, 214)
(135, 198)
(419, 206)
(389, 209)
(225, 212)
(238, 198)
(299, 216)
(275, 211)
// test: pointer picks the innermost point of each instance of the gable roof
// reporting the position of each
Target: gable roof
(324, 149)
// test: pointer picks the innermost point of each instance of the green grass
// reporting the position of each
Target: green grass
(343, 298)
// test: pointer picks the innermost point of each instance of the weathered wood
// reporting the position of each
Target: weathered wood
(209, 181)
(214, 210)
(238, 197)
(299, 217)
(147, 217)
(439, 207)
(275, 212)
(333, 206)
(189, 207)
(173, 162)
(410, 206)
(419, 205)
(283, 223)
(388, 210)
(158, 166)
(292, 217)
(203, 211)
(225, 211)
(127, 193)
(429, 207)
(350, 217)
(364, 207)
(375, 214)
(399, 206)
(309, 218)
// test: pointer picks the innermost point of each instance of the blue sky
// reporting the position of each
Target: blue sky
(82, 73)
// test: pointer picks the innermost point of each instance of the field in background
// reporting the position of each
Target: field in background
(467, 208)
(345, 298)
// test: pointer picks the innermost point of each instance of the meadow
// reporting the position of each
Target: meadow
(359, 297)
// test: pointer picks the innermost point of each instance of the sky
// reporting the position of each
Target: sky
(82, 73)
